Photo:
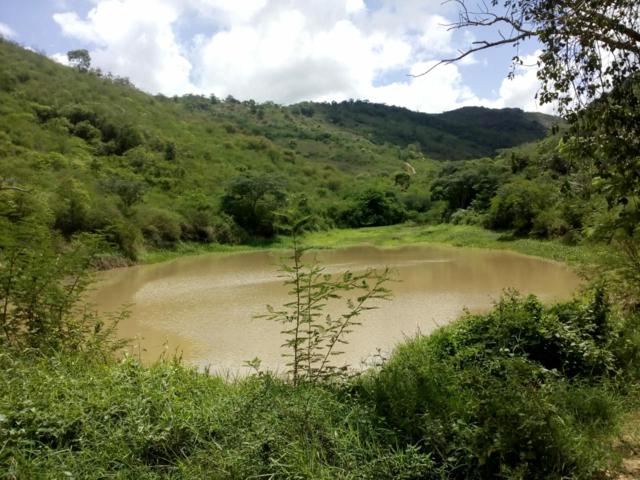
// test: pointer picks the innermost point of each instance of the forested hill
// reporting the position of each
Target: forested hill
(98, 155)
(465, 133)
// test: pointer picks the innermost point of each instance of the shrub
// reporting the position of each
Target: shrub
(86, 131)
(466, 217)
(127, 137)
(42, 288)
(516, 393)
(373, 208)
(125, 236)
(252, 201)
(313, 337)
(72, 209)
(77, 113)
(160, 227)
(517, 204)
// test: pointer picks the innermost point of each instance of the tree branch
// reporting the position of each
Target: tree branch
(483, 45)
(17, 189)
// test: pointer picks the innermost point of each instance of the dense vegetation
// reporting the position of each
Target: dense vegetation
(525, 391)
(97, 155)
(468, 132)
(93, 170)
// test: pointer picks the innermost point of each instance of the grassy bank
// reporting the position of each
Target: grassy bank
(192, 248)
(407, 234)
(459, 236)
(525, 391)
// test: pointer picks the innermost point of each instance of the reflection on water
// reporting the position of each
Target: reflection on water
(204, 306)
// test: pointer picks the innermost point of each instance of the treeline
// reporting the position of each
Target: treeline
(99, 156)
(469, 132)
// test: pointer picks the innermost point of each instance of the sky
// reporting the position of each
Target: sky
(285, 51)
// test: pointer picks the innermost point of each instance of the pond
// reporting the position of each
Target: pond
(204, 306)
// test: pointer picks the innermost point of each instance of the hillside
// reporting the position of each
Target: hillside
(465, 133)
(98, 155)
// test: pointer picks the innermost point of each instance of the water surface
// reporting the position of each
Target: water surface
(203, 306)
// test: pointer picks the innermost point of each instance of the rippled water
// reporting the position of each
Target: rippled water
(203, 306)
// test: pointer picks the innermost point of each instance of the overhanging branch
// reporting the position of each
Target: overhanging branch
(482, 45)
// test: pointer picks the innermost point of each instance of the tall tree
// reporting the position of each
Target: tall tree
(590, 69)
(79, 59)
(588, 46)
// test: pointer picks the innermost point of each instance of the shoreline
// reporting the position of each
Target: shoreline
(457, 236)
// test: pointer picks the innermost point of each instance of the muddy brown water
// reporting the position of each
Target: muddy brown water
(203, 306)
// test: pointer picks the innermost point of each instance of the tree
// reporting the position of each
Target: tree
(590, 69)
(252, 201)
(313, 336)
(467, 184)
(402, 180)
(80, 59)
(588, 47)
(374, 208)
(42, 292)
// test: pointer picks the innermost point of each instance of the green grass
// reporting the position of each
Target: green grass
(463, 236)
(183, 249)
(459, 236)
(493, 395)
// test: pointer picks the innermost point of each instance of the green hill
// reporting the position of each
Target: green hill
(465, 133)
(98, 155)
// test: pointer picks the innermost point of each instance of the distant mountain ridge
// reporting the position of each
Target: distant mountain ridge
(467, 132)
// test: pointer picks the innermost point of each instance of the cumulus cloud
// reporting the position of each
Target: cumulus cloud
(520, 91)
(443, 89)
(61, 58)
(289, 58)
(6, 31)
(286, 50)
(134, 38)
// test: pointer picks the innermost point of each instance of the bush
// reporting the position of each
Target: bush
(416, 202)
(373, 208)
(42, 288)
(125, 236)
(86, 131)
(127, 137)
(517, 204)
(72, 209)
(466, 217)
(252, 201)
(520, 392)
(160, 227)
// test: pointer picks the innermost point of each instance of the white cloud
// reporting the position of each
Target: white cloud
(442, 89)
(436, 39)
(228, 12)
(6, 31)
(61, 58)
(287, 58)
(520, 91)
(134, 38)
(286, 50)
(355, 6)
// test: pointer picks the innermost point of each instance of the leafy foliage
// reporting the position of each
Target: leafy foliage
(589, 69)
(314, 337)
(80, 59)
(465, 133)
(42, 294)
(373, 208)
(252, 201)
(510, 393)
(524, 391)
